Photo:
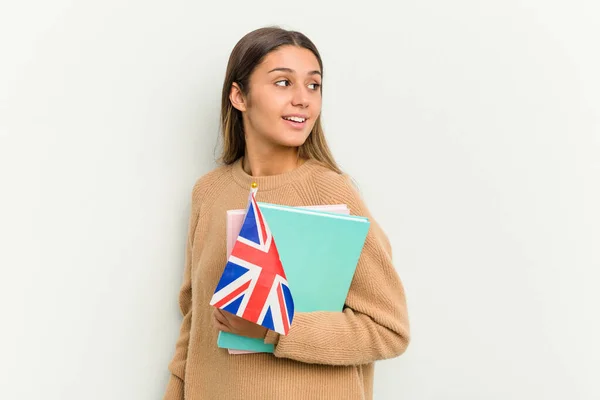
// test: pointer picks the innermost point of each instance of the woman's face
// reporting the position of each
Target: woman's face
(284, 98)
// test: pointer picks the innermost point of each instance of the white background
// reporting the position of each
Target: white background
(472, 128)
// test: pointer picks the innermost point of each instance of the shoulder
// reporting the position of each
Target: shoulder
(212, 177)
(342, 189)
(208, 185)
(336, 188)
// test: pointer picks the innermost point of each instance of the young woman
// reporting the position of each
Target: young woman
(272, 135)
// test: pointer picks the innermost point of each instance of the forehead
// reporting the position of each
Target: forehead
(299, 59)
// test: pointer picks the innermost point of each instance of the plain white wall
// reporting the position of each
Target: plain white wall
(472, 128)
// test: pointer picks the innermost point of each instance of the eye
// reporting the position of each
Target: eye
(316, 86)
(279, 83)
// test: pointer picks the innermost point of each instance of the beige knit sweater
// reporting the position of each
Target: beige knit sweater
(325, 355)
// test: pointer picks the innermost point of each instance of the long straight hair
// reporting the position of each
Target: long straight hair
(245, 56)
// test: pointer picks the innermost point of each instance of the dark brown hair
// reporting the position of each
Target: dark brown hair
(249, 52)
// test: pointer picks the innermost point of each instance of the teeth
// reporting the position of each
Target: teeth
(295, 119)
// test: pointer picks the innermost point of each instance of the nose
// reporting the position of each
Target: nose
(300, 96)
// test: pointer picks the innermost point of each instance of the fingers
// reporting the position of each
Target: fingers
(222, 327)
(220, 321)
(228, 318)
(220, 317)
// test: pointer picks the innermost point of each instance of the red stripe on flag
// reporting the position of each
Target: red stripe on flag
(267, 261)
(232, 295)
(259, 296)
(253, 255)
(262, 222)
(284, 315)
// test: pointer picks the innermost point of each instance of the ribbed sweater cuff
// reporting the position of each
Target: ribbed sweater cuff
(174, 389)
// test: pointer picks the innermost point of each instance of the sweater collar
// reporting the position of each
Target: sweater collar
(270, 182)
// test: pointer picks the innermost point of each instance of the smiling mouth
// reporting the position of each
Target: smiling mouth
(297, 120)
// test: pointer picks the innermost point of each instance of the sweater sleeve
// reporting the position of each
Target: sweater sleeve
(175, 386)
(374, 323)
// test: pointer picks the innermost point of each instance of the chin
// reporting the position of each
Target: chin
(289, 139)
(291, 142)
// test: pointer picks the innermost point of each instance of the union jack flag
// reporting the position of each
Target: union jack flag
(253, 285)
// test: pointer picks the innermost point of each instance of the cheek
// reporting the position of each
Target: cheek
(270, 107)
(317, 104)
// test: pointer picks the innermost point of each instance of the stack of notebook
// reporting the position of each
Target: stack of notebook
(319, 248)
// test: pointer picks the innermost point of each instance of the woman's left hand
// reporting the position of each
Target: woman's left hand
(228, 322)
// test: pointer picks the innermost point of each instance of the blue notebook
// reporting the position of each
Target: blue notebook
(319, 251)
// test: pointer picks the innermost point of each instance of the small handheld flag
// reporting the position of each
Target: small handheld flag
(253, 285)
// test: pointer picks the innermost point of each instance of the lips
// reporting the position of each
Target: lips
(295, 118)
(295, 121)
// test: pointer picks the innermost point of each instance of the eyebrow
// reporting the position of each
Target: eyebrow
(283, 69)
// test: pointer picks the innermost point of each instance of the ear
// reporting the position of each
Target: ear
(237, 97)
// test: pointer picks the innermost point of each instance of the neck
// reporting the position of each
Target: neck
(273, 162)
